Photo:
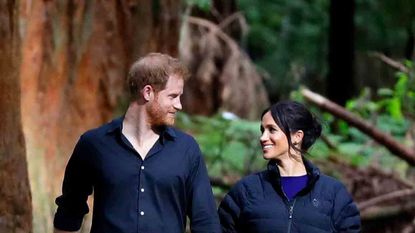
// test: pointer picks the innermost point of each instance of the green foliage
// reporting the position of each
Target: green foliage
(287, 39)
(394, 102)
(319, 150)
(391, 111)
(230, 146)
(382, 25)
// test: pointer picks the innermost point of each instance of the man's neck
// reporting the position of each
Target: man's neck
(137, 129)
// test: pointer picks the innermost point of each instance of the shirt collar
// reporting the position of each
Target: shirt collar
(166, 132)
(115, 125)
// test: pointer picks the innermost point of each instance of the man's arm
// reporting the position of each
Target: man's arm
(77, 186)
(202, 207)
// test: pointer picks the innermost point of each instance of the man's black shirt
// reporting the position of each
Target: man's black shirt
(153, 195)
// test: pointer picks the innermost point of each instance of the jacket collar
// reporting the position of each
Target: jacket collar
(313, 174)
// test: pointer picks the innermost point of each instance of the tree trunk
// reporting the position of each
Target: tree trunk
(340, 82)
(15, 199)
(410, 43)
(75, 56)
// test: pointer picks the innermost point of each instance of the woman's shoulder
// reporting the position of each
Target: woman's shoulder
(252, 183)
(247, 187)
(252, 179)
(331, 186)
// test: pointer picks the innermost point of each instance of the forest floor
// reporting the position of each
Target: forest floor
(386, 201)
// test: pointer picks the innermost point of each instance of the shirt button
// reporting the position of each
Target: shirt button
(141, 213)
(142, 190)
(142, 167)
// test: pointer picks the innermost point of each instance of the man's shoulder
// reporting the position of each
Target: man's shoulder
(101, 130)
(182, 136)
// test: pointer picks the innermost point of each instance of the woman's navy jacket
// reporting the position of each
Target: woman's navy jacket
(257, 204)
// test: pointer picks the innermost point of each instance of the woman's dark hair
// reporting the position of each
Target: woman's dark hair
(292, 116)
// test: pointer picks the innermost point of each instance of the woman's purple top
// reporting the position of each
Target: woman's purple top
(293, 184)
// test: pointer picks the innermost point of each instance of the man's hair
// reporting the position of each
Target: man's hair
(154, 69)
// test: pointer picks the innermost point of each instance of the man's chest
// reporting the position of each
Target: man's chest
(123, 168)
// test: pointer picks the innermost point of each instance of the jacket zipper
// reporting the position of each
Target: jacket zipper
(290, 214)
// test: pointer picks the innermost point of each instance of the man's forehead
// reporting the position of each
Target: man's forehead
(174, 81)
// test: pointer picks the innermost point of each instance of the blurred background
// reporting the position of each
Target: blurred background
(63, 64)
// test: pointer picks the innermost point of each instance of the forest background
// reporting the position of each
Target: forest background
(63, 65)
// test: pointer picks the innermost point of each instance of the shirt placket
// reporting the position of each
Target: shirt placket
(143, 199)
(141, 211)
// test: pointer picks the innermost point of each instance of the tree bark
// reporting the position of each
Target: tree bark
(75, 57)
(15, 197)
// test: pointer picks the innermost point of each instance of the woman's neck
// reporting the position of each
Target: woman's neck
(292, 166)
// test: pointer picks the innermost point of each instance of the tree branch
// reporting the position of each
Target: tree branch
(395, 64)
(387, 211)
(214, 29)
(385, 139)
(386, 197)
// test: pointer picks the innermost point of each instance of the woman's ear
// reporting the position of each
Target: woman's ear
(297, 137)
(147, 92)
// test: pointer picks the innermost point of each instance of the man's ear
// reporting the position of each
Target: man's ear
(148, 92)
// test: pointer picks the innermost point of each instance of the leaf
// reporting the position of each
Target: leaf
(394, 108)
(401, 85)
(385, 92)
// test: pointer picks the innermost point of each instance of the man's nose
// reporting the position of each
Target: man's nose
(178, 105)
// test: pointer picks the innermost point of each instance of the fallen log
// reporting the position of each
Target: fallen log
(386, 197)
(382, 138)
(383, 212)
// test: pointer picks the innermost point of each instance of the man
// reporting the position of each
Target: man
(146, 175)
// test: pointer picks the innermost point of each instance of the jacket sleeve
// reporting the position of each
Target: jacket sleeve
(201, 203)
(229, 211)
(77, 186)
(346, 215)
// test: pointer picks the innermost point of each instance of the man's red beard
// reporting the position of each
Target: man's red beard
(157, 117)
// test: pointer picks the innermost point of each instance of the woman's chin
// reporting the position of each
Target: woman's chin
(267, 156)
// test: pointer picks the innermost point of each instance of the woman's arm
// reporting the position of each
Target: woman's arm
(346, 215)
(229, 212)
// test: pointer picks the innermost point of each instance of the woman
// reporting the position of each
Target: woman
(291, 195)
